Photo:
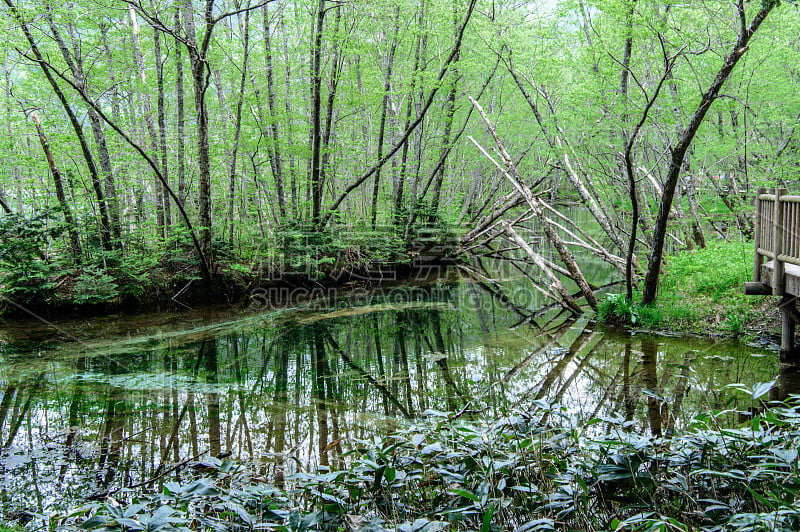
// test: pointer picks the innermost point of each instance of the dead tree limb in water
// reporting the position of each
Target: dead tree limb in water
(560, 145)
(537, 259)
(536, 206)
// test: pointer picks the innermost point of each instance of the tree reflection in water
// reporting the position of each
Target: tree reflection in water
(297, 390)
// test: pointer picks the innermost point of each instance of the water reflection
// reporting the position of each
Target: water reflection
(295, 390)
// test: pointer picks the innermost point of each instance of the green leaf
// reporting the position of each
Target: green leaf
(486, 524)
(94, 521)
(763, 388)
(467, 494)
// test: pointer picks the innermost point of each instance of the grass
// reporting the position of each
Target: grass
(700, 291)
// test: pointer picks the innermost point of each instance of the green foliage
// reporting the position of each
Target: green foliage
(705, 286)
(616, 309)
(305, 250)
(224, 501)
(25, 268)
(94, 285)
(535, 470)
(714, 271)
(135, 270)
(700, 289)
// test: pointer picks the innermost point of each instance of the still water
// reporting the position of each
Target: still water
(93, 406)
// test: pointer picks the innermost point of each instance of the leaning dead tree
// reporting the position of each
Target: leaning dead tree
(500, 238)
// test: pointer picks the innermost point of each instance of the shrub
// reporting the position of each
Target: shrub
(616, 309)
(94, 286)
(26, 270)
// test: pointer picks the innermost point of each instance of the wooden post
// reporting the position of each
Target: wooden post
(787, 326)
(778, 280)
(757, 237)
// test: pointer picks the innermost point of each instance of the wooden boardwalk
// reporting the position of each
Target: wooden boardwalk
(776, 264)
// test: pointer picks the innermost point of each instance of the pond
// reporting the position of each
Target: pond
(92, 406)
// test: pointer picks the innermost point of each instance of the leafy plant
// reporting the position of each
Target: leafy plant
(532, 470)
(616, 309)
(25, 267)
(95, 286)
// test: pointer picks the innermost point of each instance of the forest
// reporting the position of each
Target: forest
(417, 265)
(149, 144)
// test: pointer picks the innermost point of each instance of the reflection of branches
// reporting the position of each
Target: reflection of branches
(21, 413)
(556, 306)
(556, 371)
(380, 387)
(525, 362)
(680, 392)
(493, 288)
(589, 348)
(650, 381)
(612, 384)
(5, 405)
(450, 383)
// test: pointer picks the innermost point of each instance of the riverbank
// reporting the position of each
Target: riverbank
(170, 274)
(87, 292)
(701, 292)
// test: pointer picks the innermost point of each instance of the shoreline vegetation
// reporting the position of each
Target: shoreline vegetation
(701, 291)
(136, 280)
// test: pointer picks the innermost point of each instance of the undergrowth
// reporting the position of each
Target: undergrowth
(531, 470)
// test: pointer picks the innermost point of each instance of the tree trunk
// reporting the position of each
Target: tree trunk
(180, 118)
(685, 140)
(566, 255)
(75, 245)
(559, 144)
(162, 131)
(336, 62)
(289, 129)
(412, 127)
(316, 104)
(74, 61)
(105, 233)
(449, 114)
(399, 211)
(144, 101)
(200, 76)
(387, 79)
(274, 150)
(238, 126)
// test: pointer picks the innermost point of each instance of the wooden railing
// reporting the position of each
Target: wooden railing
(777, 237)
(777, 234)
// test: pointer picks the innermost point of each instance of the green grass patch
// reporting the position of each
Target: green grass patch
(700, 290)
(703, 288)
